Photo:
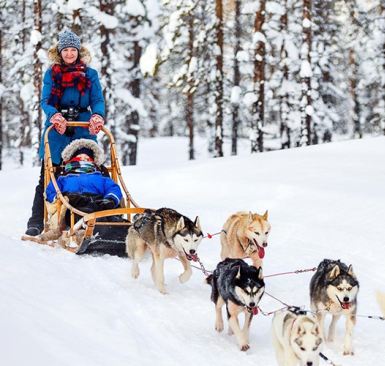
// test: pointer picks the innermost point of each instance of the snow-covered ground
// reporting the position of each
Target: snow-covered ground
(326, 201)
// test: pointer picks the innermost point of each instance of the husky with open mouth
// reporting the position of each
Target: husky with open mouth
(166, 234)
(245, 235)
(240, 287)
(334, 288)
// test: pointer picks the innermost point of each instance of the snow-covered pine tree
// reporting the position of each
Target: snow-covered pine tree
(106, 34)
(326, 26)
(218, 81)
(134, 95)
(22, 73)
(236, 90)
(381, 56)
(306, 74)
(179, 55)
(36, 39)
(259, 41)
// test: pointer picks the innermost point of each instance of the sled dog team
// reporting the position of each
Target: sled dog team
(298, 336)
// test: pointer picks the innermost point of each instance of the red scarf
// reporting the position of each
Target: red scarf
(68, 76)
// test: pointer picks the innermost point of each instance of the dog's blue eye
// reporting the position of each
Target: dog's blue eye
(185, 240)
(315, 348)
(349, 289)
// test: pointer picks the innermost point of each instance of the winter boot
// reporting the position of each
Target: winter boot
(34, 230)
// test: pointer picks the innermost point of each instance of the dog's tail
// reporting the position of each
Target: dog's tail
(381, 301)
(209, 280)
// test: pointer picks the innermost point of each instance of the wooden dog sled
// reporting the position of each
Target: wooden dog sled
(92, 233)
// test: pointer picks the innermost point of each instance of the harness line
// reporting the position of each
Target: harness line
(210, 236)
(318, 311)
(327, 360)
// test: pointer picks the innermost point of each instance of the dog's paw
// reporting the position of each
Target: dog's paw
(331, 338)
(184, 277)
(348, 351)
(162, 289)
(219, 327)
(230, 331)
(244, 347)
(135, 271)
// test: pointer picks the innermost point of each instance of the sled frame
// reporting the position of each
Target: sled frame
(88, 220)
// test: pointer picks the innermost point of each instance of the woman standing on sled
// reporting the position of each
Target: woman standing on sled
(71, 92)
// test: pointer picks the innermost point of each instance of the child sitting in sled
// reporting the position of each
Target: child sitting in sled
(82, 184)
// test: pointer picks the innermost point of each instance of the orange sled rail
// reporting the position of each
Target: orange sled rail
(81, 244)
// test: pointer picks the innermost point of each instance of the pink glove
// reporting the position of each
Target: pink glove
(95, 124)
(60, 122)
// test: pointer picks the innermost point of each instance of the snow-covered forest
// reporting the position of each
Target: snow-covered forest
(279, 74)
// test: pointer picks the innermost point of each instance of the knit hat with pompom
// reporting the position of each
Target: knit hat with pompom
(69, 39)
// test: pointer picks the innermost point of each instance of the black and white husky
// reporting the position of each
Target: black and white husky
(334, 288)
(240, 287)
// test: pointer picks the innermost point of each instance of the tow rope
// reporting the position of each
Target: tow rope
(318, 311)
(210, 236)
(295, 272)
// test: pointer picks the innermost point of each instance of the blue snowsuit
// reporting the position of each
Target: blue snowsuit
(92, 98)
(86, 183)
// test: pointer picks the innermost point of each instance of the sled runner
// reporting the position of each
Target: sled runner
(102, 231)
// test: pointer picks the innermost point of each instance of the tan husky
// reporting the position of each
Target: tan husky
(245, 235)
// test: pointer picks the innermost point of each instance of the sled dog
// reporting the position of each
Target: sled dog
(297, 338)
(240, 287)
(381, 301)
(334, 288)
(166, 234)
(245, 234)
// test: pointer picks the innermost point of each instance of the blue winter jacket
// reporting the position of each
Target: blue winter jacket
(92, 98)
(86, 183)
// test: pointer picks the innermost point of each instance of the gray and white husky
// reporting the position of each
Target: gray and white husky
(166, 234)
(240, 287)
(334, 288)
(297, 338)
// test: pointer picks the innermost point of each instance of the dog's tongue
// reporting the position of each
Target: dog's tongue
(194, 257)
(261, 252)
(254, 310)
(346, 305)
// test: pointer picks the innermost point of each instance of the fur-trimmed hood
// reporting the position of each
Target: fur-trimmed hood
(54, 55)
(78, 144)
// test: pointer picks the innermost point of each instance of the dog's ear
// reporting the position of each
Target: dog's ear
(197, 223)
(335, 272)
(238, 276)
(299, 328)
(180, 224)
(265, 215)
(316, 329)
(260, 273)
(250, 217)
(351, 271)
